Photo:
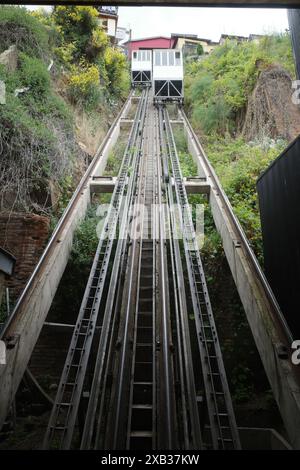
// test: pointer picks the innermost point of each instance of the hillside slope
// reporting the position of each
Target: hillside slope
(62, 90)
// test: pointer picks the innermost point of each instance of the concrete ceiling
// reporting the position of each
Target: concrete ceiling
(206, 3)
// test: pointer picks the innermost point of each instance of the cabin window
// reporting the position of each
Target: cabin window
(171, 58)
(143, 55)
(177, 58)
(134, 55)
(157, 58)
(164, 58)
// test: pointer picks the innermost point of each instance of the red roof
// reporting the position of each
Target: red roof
(156, 42)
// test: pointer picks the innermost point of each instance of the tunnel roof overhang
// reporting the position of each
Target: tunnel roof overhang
(194, 3)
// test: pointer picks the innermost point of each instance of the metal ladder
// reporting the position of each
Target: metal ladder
(142, 415)
(223, 428)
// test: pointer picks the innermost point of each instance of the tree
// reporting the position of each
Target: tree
(200, 50)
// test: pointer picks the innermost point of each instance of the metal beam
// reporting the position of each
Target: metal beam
(106, 184)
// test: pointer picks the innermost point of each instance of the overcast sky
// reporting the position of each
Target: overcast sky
(207, 23)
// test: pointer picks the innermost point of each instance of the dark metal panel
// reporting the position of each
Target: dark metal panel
(7, 262)
(294, 23)
(279, 200)
(205, 3)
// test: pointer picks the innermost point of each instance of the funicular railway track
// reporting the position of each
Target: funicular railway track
(145, 389)
(144, 368)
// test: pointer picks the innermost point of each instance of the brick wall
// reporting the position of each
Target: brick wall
(25, 236)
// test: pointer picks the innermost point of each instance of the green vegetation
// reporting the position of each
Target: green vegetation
(73, 282)
(188, 166)
(200, 50)
(115, 157)
(217, 92)
(218, 86)
(37, 123)
(238, 166)
(85, 240)
(19, 28)
(94, 67)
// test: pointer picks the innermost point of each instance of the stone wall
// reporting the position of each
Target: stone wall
(25, 236)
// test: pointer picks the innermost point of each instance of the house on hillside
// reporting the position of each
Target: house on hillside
(188, 43)
(155, 42)
(232, 37)
(108, 20)
(256, 37)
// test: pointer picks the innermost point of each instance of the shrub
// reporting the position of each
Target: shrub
(65, 53)
(84, 85)
(18, 27)
(217, 88)
(200, 50)
(77, 24)
(238, 166)
(117, 72)
(34, 74)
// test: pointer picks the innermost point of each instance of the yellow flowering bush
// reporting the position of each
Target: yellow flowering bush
(75, 13)
(84, 84)
(99, 39)
(65, 52)
(117, 71)
(85, 77)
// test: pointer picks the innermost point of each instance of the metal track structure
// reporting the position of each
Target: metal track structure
(222, 425)
(141, 424)
(64, 412)
(143, 379)
(143, 393)
(189, 410)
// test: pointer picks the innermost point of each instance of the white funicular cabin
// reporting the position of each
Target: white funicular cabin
(141, 67)
(167, 71)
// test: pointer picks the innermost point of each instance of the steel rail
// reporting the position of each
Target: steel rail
(98, 378)
(60, 227)
(223, 427)
(192, 431)
(240, 236)
(168, 400)
(124, 348)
